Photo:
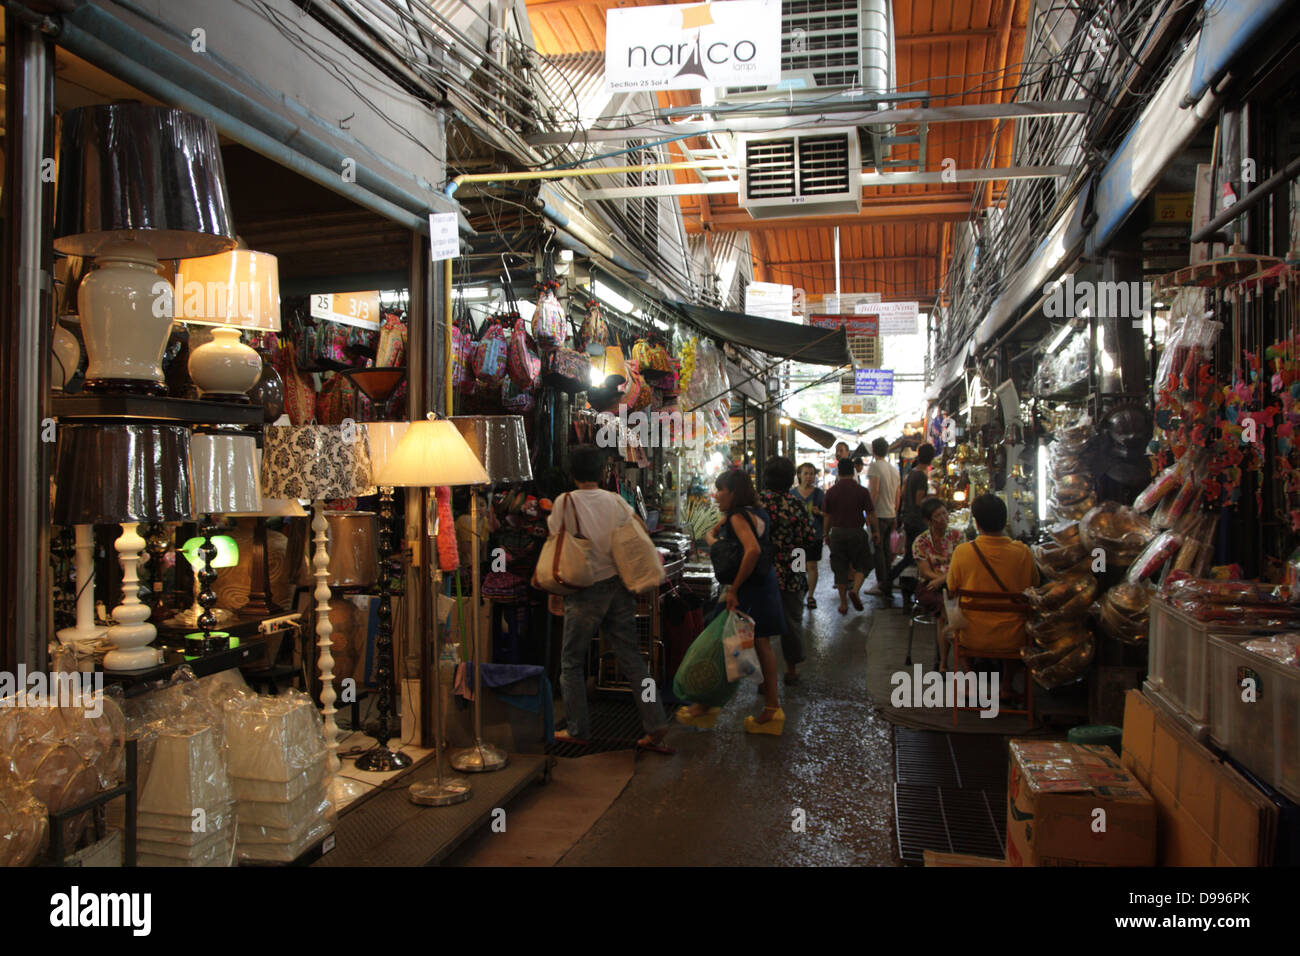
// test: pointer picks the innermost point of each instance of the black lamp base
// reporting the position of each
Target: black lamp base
(382, 760)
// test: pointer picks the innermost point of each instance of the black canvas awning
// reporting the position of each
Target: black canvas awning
(801, 343)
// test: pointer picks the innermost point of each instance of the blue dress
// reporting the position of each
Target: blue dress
(760, 595)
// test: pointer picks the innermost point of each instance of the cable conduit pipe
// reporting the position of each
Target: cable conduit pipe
(155, 67)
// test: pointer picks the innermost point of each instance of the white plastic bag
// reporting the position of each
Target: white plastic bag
(738, 648)
(636, 557)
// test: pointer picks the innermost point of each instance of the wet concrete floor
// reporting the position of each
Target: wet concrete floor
(730, 798)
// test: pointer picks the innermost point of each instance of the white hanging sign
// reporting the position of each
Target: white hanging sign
(444, 236)
(693, 46)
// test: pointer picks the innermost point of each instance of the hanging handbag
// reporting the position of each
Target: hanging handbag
(522, 363)
(567, 370)
(550, 323)
(636, 396)
(462, 359)
(490, 359)
(516, 400)
(594, 331)
(299, 396)
(564, 566)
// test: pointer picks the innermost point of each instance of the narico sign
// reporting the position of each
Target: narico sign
(693, 46)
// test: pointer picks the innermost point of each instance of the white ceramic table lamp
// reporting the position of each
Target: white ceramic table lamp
(234, 290)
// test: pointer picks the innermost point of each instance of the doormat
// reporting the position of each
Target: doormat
(615, 725)
(949, 794)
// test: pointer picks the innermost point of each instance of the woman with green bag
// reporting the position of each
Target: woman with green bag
(740, 550)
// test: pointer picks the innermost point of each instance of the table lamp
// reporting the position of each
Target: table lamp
(429, 454)
(384, 439)
(225, 479)
(227, 556)
(501, 445)
(234, 290)
(136, 183)
(260, 602)
(123, 474)
(317, 462)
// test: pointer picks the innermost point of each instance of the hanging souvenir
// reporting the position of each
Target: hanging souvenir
(490, 359)
(594, 331)
(522, 362)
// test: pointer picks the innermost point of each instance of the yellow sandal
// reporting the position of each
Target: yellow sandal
(772, 726)
(704, 721)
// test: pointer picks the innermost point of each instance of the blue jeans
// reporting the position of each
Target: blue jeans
(608, 605)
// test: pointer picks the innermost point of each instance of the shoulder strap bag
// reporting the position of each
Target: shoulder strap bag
(564, 565)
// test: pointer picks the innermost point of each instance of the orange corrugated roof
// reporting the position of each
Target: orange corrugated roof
(965, 53)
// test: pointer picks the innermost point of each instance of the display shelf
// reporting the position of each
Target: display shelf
(134, 683)
(175, 411)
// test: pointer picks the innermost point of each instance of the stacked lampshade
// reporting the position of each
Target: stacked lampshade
(111, 474)
(136, 183)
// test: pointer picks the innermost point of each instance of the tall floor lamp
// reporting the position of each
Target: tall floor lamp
(433, 453)
(319, 462)
(501, 444)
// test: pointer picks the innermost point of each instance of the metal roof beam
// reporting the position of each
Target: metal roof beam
(959, 113)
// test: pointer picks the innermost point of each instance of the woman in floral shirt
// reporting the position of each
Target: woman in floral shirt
(792, 528)
(933, 550)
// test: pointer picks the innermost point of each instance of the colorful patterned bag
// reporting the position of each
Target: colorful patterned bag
(490, 359)
(637, 395)
(462, 359)
(519, 401)
(594, 331)
(522, 362)
(550, 322)
(299, 396)
(567, 370)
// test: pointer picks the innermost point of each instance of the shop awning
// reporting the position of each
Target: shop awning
(784, 339)
(816, 432)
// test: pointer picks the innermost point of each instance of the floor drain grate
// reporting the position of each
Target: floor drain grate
(615, 725)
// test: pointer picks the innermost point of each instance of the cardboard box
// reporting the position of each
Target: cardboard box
(1076, 805)
(935, 858)
(1207, 814)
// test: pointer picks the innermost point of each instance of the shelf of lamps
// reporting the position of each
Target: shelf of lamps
(172, 411)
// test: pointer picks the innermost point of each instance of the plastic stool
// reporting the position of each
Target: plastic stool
(920, 617)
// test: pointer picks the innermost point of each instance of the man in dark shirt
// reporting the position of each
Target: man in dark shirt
(849, 513)
(916, 488)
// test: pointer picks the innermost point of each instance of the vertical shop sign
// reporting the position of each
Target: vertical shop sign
(444, 236)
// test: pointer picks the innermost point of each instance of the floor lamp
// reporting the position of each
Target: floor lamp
(433, 453)
(319, 462)
(501, 445)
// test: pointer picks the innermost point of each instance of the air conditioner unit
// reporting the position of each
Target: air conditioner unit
(814, 173)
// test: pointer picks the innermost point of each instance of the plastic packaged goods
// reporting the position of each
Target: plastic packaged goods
(1120, 531)
(1054, 560)
(211, 820)
(1047, 631)
(1066, 534)
(216, 849)
(1166, 483)
(1283, 648)
(23, 820)
(1069, 668)
(1124, 612)
(309, 805)
(1071, 489)
(1063, 592)
(1197, 551)
(188, 772)
(1053, 652)
(271, 791)
(1186, 590)
(1154, 556)
(273, 738)
(1075, 511)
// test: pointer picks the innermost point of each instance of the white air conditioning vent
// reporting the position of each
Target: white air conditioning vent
(801, 174)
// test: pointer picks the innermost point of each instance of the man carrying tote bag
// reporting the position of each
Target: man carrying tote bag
(591, 516)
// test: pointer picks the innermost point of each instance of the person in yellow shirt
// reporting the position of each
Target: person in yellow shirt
(992, 562)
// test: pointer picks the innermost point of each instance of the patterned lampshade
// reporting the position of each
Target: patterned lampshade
(316, 461)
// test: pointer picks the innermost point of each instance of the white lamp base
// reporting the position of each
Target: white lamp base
(136, 659)
(224, 366)
(76, 635)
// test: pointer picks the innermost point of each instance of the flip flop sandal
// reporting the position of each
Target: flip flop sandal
(655, 748)
(562, 737)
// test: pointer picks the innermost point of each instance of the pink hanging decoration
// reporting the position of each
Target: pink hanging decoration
(448, 556)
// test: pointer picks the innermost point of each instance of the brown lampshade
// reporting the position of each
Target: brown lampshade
(500, 443)
(111, 474)
(151, 174)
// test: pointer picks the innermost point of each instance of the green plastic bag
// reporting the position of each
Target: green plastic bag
(702, 676)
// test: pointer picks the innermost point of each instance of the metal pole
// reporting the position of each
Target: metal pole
(837, 267)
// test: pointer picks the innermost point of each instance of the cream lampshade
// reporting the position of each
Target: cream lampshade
(136, 183)
(234, 290)
(431, 453)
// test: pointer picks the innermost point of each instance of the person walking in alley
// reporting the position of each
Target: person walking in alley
(792, 530)
(741, 551)
(883, 481)
(849, 515)
(916, 488)
(813, 499)
(607, 605)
